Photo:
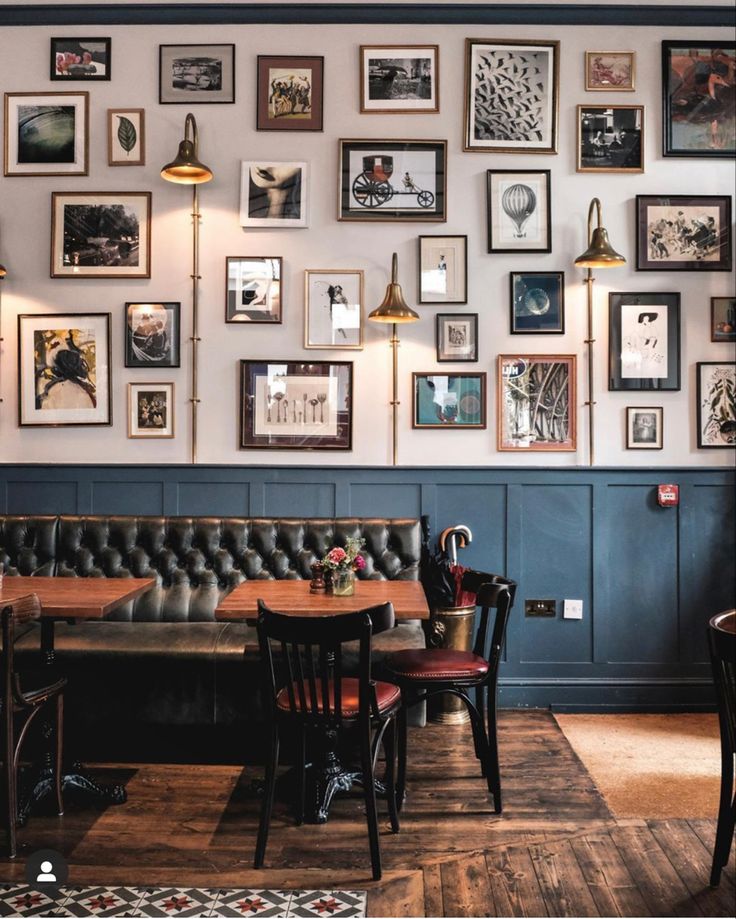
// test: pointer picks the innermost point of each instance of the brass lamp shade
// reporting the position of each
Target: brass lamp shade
(186, 169)
(3, 271)
(394, 308)
(600, 253)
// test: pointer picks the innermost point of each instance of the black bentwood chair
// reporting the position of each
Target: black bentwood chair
(432, 671)
(307, 692)
(19, 706)
(722, 641)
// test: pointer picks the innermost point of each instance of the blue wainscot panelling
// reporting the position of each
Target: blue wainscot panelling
(649, 577)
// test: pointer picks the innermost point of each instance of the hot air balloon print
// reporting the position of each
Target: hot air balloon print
(519, 218)
(519, 202)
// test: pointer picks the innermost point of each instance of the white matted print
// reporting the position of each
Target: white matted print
(46, 133)
(151, 410)
(644, 429)
(296, 405)
(399, 79)
(333, 309)
(253, 289)
(716, 394)
(443, 269)
(519, 218)
(644, 345)
(273, 194)
(413, 177)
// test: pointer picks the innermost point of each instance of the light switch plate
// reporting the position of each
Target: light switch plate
(572, 609)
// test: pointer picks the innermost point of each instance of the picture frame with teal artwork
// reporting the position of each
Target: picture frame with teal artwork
(449, 400)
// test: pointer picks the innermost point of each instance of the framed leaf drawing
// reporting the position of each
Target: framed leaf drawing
(126, 140)
(716, 387)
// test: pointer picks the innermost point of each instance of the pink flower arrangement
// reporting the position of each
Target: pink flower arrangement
(337, 556)
(347, 559)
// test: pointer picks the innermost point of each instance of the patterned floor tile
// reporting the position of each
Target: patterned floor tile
(328, 903)
(178, 901)
(272, 903)
(22, 900)
(100, 901)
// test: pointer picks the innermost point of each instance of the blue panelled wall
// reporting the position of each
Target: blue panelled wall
(649, 577)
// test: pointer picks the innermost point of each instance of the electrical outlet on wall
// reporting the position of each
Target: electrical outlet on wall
(572, 609)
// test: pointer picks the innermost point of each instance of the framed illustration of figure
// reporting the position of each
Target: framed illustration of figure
(683, 233)
(333, 309)
(644, 341)
(290, 91)
(443, 269)
(610, 71)
(644, 427)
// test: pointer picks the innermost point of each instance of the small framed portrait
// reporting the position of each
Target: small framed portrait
(399, 79)
(610, 138)
(457, 337)
(64, 369)
(644, 341)
(716, 394)
(723, 318)
(537, 402)
(511, 95)
(443, 269)
(153, 335)
(393, 180)
(518, 206)
(699, 98)
(151, 410)
(46, 134)
(253, 288)
(455, 400)
(290, 93)
(683, 233)
(101, 235)
(610, 71)
(192, 74)
(273, 194)
(333, 309)
(644, 428)
(126, 137)
(537, 302)
(84, 59)
(294, 405)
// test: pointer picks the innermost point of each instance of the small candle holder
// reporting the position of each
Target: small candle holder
(317, 583)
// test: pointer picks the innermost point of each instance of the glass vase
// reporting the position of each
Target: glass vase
(343, 583)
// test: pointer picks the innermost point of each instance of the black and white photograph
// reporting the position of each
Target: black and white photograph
(151, 410)
(152, 334)
(610, 138)
(683, 233)
(273, 194)
(644, 341)
(126, 137)
(290, 93)
(644, 428)
(443, 269)
(333, 309)
(84, 59)
(723, 319)
(537, 302)
(518, 204)
(393, 180)
(253, 288)
(399, 79)
(191, 74)
(101, 235)
(716, 395)
(457, 337)
(511, 96)
(46, 134)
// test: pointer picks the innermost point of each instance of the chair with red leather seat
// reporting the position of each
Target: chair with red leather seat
(428, 672)
(305, 692)
(20, 703)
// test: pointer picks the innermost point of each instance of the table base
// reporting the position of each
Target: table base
(76, 783)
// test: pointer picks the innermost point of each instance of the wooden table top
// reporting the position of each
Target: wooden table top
(294, 597)
(76, 598)
(725, 622)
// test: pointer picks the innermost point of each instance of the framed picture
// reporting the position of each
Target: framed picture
(253, 288)
(46, 134)
(723, 318)
(443, 269)
(290, 93)
(537, 302)
(64, 369)
(393, 180)
(294, 405)
(273, 194)
(153, 335)
(80, 59)
(192, 74)
(511, 95)
(716, 386)
(399, 79)
(457, 337)
(610, 138)
(643, 341)
(150, 410)
(537, 402)
(126, 137)
(333, 309)
(699, 98)
(683, 233)
(609, 71)
(519, 216)
(644, 428)
(101, 235)
(455, 400)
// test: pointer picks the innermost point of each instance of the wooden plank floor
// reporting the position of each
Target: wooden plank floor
(556, 850)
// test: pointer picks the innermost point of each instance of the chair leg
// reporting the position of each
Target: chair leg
(371, 811)
(10, 783)
(726, 813)
(301, 765)
(389, 746)
(479, 706)
(268, 796)
(493, 770)
(403, 719)
(59, 753)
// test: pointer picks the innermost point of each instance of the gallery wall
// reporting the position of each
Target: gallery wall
(228, 136)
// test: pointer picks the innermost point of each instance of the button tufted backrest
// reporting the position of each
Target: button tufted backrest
(197, 560)
(28, 544)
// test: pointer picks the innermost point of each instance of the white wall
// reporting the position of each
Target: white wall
(227, 135)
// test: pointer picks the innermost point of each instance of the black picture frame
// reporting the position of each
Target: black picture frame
(717, 397)
(723, 319)
(513, 196)
(268, 290)
(201, 91)
(635, 338)
(148, 344)
(80, 71)
(449, 352)
(696, 113)
(656, 232)
(644, 427)
(610, 138)
(528, 290)
(274, 422)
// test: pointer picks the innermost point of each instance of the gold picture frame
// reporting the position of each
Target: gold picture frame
(147, 416)
(610, 71)
(333, 312)
(126, 140)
